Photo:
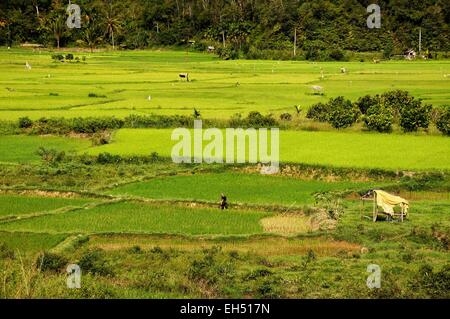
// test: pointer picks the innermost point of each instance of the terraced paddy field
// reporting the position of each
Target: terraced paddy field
(250, 188)
(144, 218)
(363, 150)
(124, 81)
(24, 149)
(149, 228)
(14, 205)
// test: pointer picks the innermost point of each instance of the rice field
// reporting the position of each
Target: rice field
(30, 242)
(218, 88)
(339, 149)
(250, 188)
(23, 149)
(14, 205)
(128, 217)
(153, 242)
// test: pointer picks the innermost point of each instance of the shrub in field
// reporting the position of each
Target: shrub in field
(107, 158)
(390, 287)
(69, 57)
(211, 269)
(95, 95)
(139, 121)
(5, 251)
(433, 237)
(91, 125)
(157, 280)
(25, 122)
(268, 289)
(443, 120)
(435, 284)
(426, 181)
(158, 121)
(94, 262)
(50, 126)
(378, 118)
(365, 102)
(315, 50)
(256, 120)
(258, 273)
(286, 117)
(396, 100)
(51, 262)
(342, 112)
(58, 57)
(228, 53)
(101, 138)
(415, 115)
(135, 249)
(236, 120)
(336, 55)
(319, 112)
(51, 155)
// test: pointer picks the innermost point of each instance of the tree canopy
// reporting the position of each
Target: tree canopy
(247, 27)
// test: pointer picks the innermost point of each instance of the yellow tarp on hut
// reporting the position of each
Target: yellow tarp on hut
(388, 202)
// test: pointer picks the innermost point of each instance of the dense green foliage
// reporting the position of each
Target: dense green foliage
(256, 29)
(378, 118)
(342, 112)
(91, 125)
(378, 112)
(443, 121)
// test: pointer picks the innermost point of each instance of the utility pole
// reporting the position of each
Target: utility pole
(295, 41)
(420, 40)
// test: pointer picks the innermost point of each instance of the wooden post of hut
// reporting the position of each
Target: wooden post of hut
(375, 209)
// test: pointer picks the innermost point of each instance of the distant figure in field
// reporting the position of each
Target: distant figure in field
(28, 66)
(223, 202)
(184, 76)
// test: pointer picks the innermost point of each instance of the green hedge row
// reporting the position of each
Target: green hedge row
(91, 125)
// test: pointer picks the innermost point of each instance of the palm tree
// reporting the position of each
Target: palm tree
(56, 25)
(54, 22)
(90, 37)
(112, 22)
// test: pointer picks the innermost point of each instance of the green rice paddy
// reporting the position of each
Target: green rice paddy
(218, 88)
(144, 218)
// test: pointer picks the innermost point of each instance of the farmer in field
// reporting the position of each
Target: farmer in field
(223, 202)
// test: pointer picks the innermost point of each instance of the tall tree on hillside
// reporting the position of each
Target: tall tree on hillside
(111, 20)
(55, 24)
(90, 37)
(91, 32)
